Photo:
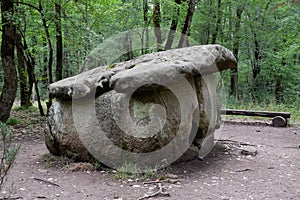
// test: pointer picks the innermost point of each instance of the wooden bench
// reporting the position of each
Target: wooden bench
(279, 119)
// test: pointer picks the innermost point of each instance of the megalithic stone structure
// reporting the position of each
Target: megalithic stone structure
(148, 109)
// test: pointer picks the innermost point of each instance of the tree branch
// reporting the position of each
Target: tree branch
(29, 5)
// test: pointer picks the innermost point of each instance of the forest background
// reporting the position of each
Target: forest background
(46, 41)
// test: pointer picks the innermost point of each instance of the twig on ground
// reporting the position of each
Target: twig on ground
(152, 182)
(295, 147)
(245, 170)
(173, 181)
(236, 142)
(159, 193)
(45, 181)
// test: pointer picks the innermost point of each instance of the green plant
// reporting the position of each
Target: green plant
(96, 165)
(8, 152)
(132, 170)
(26, 109)
(13, 121)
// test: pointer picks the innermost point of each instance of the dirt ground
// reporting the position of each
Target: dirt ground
(274, 173)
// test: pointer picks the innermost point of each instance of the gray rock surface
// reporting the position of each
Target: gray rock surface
(248, 151)
(155, 106)
(159, 66)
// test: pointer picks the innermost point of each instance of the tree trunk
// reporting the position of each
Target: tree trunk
(25, 93)
(278, 89)
(59, 43)
(50, 46)
(257, 53)
(156, 23)
(187, 23)
(206, 41)
(30, 67)
(44, 69)
(257, 57)
(30, 62)
(236, 44)
(145, 39)
(10, 85)
(50, 60)
(218, 23)
(128, 46)
(173, 27)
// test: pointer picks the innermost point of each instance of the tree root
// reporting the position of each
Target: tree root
(159, 193)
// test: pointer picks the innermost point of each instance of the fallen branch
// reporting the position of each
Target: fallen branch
(295, 147)
(173, 181)
(245, 170)
(45, 181)
(159, 193)
(235, 142)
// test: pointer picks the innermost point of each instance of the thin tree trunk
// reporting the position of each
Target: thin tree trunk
(44, 70)
(25, 93)
(145, 39)
(218, 23)
(208, 23)
(30, 62)
(38, 98)
(128, 46)
(9, 89)
(257, 53)
(50, 46)
(66, 62)
(31, 66)
(187, 23)
(257, 57)
(30, 69)
(156, 23)
(230, 24)
(50, 59)
(174, 25)
(59, 43)
(236, 44)
(278, 89)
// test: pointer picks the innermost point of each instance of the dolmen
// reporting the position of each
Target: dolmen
(149, 111)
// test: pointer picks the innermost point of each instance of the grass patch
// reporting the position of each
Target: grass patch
(51, 161)
(133, 171)
(21, 116)
(24, 109)
(13, 121)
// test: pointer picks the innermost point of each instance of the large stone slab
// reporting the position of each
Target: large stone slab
(146, 110)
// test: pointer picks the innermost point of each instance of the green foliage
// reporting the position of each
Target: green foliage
(29, 109)
(86, 24)
(22, 116)
(133, 171)
(13, 121)
(8, 152)
(97, 165)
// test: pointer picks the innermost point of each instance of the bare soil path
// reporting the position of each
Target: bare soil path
(274, 173)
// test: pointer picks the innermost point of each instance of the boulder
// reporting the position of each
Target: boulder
(148, 110)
